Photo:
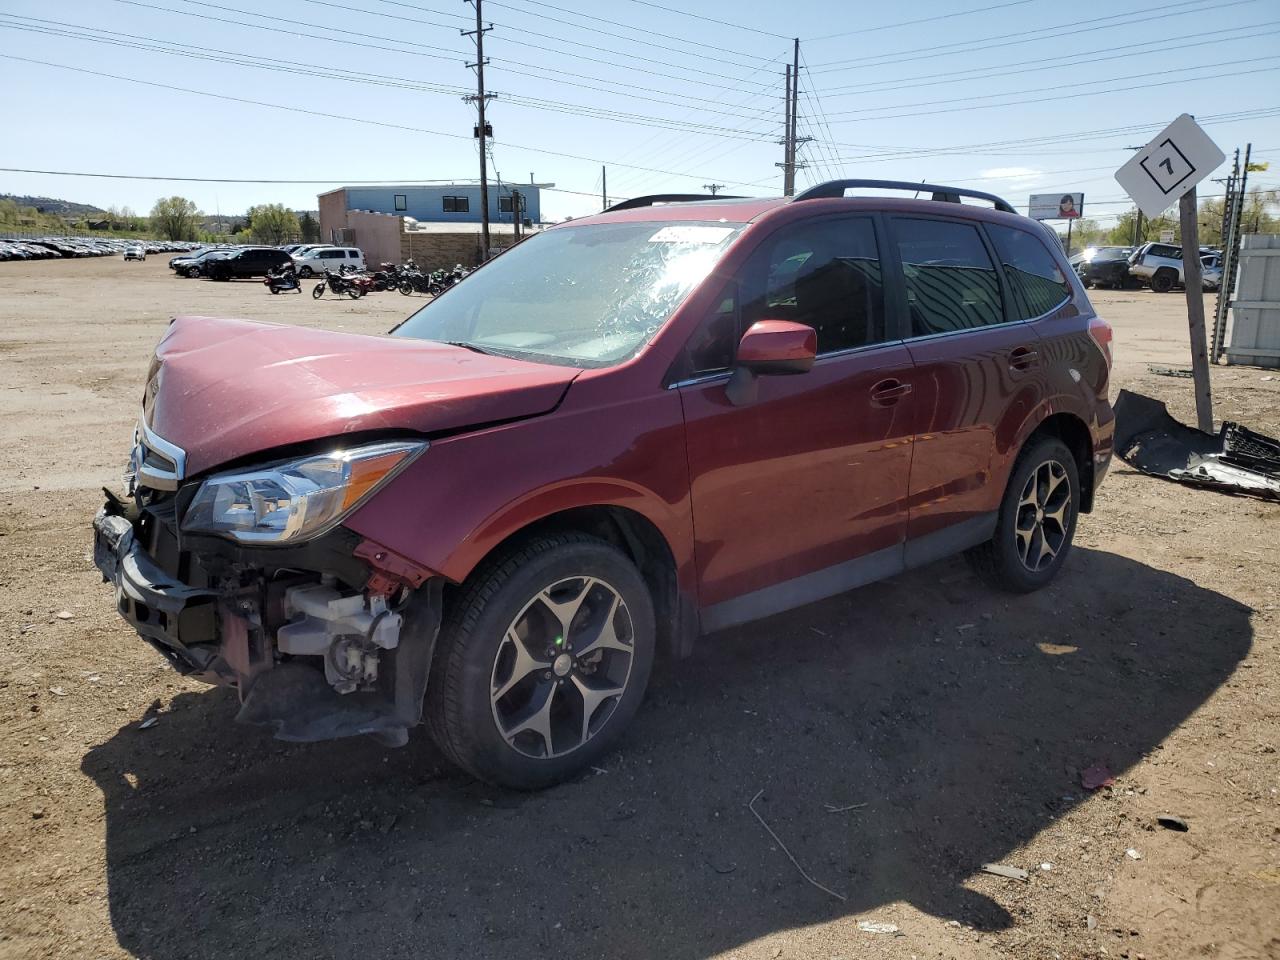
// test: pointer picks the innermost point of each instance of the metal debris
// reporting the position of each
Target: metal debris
(1010, 873)
(875, 926)
(1237, 460)
(1168, 371)
(148, 723)
(1173, 823)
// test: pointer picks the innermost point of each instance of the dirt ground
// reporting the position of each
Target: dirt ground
(947, 724)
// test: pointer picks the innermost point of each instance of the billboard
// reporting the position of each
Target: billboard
(1056, 206)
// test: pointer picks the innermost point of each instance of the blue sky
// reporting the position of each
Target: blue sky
(1010, 96)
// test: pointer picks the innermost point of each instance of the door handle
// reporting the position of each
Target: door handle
(1023, 358)
(888, 392)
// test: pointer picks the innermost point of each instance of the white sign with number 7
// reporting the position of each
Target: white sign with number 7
(1179, 157)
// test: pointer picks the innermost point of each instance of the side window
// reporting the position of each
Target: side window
(1036, 284)
(402, 201)
(951, 281)
(822, 273)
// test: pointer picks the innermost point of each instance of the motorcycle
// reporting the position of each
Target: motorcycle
(339, 283)
(284, 280)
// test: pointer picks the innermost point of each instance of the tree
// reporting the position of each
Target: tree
(273, 223)
(174, 218)
(309, 228)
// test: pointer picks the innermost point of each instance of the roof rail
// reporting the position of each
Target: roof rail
(658, 198)
(836, 188)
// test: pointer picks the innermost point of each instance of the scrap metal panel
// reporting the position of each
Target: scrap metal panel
(1255, 308)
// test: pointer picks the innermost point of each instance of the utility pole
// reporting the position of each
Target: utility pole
(604, 188)
(482, 129)
(516, 218)
(788, 169)
(713, 188)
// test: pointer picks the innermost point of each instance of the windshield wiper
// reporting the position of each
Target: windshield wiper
(466, 345)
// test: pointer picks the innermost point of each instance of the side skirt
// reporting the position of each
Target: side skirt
(849, 575)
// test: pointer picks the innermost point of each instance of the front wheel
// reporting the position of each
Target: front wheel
(193, 273)
(1036, 522)
(318, 292)
(405, 287)
(542, 662)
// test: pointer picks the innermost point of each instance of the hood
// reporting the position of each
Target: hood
(224, 389)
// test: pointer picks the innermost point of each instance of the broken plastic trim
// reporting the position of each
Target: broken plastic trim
(1237, 460)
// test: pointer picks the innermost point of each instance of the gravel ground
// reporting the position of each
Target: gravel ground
(947, 724)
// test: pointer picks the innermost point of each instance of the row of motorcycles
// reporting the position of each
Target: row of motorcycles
(353, 283)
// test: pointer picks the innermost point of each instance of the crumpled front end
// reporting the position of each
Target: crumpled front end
(327, 638)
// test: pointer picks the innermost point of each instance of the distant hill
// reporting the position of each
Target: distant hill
(51, 205)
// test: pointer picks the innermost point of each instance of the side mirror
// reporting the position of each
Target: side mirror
(770, 348)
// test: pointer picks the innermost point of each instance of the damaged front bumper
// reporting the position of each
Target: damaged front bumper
(314, 655)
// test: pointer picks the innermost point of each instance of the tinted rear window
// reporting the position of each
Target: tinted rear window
(950, 279)
(1036, 284)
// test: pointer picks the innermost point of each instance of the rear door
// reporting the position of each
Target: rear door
(800, 493)
(978, 376)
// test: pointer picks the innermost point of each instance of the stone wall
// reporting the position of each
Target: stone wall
(432, 251)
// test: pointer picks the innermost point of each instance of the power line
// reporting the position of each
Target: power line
(1046, 63)
(361, 120)
(1056, 31)
(912, 23)
(1075, 92)
(723, 23)
(402, 81)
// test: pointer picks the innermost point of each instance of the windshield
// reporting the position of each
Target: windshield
(584, 296)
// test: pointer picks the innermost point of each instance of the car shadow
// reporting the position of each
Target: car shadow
(929, 700)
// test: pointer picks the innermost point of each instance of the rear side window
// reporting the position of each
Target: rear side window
(1036, 284)
(950, 280)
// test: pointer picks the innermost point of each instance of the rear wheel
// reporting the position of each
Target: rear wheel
(355, 293)
(542, 662)
(405, 287)
(1037, 519)
(305, 273)
(1163, 281)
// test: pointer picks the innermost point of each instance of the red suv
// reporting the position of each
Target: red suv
(625, 432)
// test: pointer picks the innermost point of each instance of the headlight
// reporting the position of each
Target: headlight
(294, 499)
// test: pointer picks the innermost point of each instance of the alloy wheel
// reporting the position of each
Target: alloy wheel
(562, 667)
(1044, 513)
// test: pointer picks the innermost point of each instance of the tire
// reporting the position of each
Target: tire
(405, 287)
(355, 293)
(193, 273)
(274, 290)
(318, 292)
(1000, 561)
(1163, 281)
(305, 273)
(477, 652)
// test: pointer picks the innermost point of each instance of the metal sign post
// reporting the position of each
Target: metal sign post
(1166, 170)
(1193, 281)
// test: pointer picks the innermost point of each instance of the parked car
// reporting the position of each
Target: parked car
(1105, 267)
(251, 262)
(1160, 264)
(319, 259)
(626, 431)
(135, 251)
(199, 266)
(1211, 271)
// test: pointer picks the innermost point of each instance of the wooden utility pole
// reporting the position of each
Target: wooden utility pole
(788, 162)
(604, 188)
(482, 133)
(1192, 280)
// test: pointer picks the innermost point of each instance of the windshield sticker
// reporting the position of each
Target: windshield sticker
(691, 234)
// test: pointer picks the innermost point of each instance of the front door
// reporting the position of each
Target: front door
(800, 493)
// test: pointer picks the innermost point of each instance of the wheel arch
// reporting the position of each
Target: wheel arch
(1074, 433)
(639, 538)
